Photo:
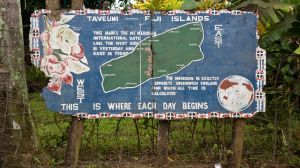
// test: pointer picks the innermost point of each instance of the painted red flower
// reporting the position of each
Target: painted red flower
(54, 85)
(68, 78)
(52, 67)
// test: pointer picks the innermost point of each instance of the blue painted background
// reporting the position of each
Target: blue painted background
(235, 57)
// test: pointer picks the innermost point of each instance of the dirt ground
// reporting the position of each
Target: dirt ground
(143, 165)
(142, 162)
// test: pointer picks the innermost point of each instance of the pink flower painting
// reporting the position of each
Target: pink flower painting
(63, 54)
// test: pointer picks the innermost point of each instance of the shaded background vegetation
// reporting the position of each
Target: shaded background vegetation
(272, 139)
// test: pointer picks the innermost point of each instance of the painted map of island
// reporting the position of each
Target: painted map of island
(164, 54)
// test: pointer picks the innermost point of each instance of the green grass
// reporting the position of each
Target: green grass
(112, 139)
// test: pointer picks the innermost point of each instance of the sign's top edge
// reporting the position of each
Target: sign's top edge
(86, 11)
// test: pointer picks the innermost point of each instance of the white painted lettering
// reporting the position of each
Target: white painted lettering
(119, 106)
(169, 106)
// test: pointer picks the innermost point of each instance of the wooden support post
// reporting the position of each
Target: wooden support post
(77, 125)
(74, 142)
(238, 130)
(162, 143)
(77, 4)
(54, 6)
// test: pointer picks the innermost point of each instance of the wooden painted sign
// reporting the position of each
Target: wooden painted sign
(167, 65)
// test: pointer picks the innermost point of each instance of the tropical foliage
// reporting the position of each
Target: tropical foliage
(279, 29)
(181, 4)
(158, 4)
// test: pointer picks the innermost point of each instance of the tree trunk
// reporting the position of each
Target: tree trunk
(237, 142)
(162, 143)
(74, 142)
(17, 134)
(5, 139)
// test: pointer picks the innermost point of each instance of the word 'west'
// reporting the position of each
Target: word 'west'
(80, 90)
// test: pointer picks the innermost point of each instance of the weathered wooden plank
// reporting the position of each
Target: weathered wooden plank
(238, 132)
(162, 143)
(74, 142)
